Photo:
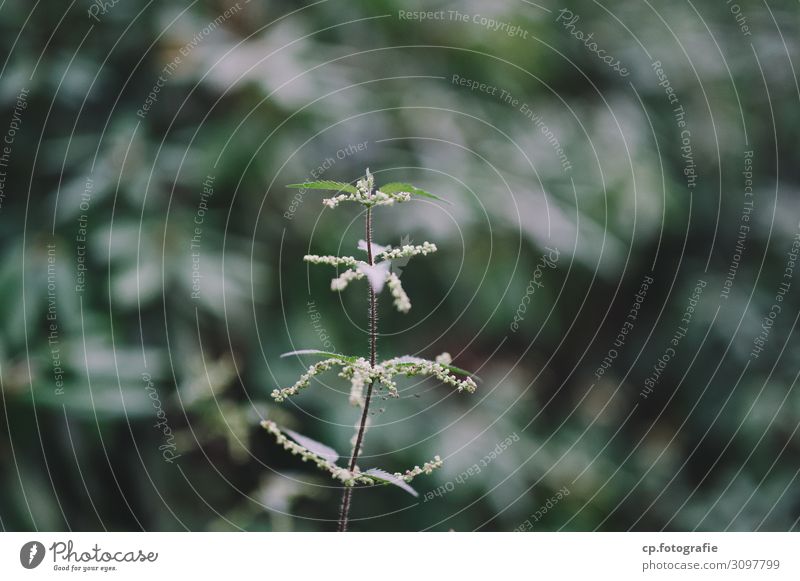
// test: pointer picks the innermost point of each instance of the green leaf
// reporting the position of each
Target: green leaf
(106, 402)
(396, 187)
(326, 185)
(387, 478)
(349, 358)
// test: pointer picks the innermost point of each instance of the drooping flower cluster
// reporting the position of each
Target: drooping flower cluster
(415, 366)
(359, 372)
(401, 300)
(305, 454)
(280, 395)
(325, 458)
(427, 468)
(378, 274)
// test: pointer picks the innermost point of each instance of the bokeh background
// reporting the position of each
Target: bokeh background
(122, 316)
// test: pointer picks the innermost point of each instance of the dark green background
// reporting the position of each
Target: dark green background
(264, 99)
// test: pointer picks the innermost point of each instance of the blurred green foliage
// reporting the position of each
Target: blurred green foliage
(263, 99)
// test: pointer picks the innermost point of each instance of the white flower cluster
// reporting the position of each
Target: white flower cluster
(359, 372)
(343, 475)
(357, 389)
(331, 260)
(401, 300)
(280, 395)
(305, 454)
(408, 250)
(427, 468)
(444, 358)
(379, 274)
(366, 184)
(367, 195)
(413, 366)
(378, 198)
(340, 283)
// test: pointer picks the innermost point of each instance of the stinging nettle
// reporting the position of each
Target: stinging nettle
(366, 374)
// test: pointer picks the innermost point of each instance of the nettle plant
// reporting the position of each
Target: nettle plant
(366, 375)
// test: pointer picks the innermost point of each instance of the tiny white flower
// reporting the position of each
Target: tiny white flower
(401, 300)
(340, 283)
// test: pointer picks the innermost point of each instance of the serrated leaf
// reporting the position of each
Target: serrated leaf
(317, 448)
(326, 185)
(322, 353)
(386, 477)
(396, 187)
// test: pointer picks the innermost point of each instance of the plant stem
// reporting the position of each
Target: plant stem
(347, 495)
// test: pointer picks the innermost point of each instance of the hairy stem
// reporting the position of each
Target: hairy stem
(347, 495)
